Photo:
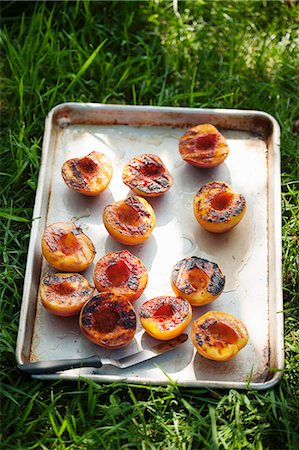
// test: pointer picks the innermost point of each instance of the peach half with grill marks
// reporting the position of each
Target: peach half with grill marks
(64, 294)
(203, 146)
(217, 207)
(129, 221)
(218, 335)
(197, 280)
(147, 175)
(165, 317)
(67, 248)
(108, 320)
(121, 273)
(88, 175)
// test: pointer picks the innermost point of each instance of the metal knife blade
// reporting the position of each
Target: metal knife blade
(52, 366)
(149, 353)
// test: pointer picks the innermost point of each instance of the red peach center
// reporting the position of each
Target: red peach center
(118, 273)
(164, 311)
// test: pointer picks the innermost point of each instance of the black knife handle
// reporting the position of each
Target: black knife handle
(41, 367)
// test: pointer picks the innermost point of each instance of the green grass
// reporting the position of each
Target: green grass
(203, 54)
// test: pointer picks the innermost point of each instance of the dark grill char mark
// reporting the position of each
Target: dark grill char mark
(199, 339)
(133, 282)
(88, 311)
(240, 205)
(77, 181)
(207, 323)
(136, 204)
(217, 283)
(92, 305)
(127, 319)
(151, 186)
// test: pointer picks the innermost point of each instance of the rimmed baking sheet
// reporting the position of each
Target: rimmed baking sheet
(249, 255)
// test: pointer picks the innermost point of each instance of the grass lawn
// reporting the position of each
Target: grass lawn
(193, 53)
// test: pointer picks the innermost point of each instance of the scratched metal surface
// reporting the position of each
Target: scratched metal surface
(249, 255)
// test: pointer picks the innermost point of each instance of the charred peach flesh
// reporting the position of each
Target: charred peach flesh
(67, 248)
(64, 294)
(147, 175)
(217, 207)
(203, 146)
(197, 280)
(165, 317)
(108, 320)
(219, 336)
(121, 273)
(129, 221)
(89, 175)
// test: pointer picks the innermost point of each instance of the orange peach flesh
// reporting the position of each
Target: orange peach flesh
(68, 244)
(128, 215)
(223, 333)
(198, 279)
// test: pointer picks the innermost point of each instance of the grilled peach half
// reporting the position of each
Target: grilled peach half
(121, 273)
(197, 280)
(147, 175)
(129, 221)
(217, 207)
(165, 317)
(89, 175)
(203, 146)
(67, 248)
(64, 294)
(218, 336)
(108, 320)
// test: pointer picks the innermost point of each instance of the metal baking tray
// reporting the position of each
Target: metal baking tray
(249, 255)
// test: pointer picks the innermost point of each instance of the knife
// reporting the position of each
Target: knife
(51, 366)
